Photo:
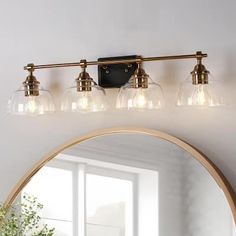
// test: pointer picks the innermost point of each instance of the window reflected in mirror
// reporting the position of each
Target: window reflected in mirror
(82, 197)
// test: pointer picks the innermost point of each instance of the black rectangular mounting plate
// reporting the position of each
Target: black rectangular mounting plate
(115, 75)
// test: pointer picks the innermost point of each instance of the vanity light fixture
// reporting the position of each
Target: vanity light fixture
(31, 98)
(137, 90)
(84, 95)
(199, 90)
(140, 92)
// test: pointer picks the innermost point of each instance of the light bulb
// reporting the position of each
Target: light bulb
(201, 96)
(83, 102)
(32, 104)
(139, 100)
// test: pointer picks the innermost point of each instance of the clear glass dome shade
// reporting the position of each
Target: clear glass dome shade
(22, 104)
(202, 95)
(150, 97)
(84, 101)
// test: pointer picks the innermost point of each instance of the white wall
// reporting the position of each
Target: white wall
(57, 31)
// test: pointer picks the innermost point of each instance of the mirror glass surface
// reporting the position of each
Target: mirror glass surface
(129, 184)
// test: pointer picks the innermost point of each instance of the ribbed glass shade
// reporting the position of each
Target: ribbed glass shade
(140, 98)
(202, 95)
(20, 104)
(84, 101)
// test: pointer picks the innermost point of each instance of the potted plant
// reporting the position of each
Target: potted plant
(23, 219)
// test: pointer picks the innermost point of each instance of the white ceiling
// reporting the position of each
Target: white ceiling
(138, 147)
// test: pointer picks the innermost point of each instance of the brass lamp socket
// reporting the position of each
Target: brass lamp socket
(200, 74)
(139, 79)
(84, 82)
(31, 86)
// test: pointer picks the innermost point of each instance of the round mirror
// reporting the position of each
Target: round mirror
(130, 184)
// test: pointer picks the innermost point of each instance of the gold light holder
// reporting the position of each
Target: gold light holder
(139, 79)
(84, 95)
(31, 84)
(199, 73)
(84, 81)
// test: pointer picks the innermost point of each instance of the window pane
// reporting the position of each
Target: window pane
(100, 230)
(53, 188)
(109, 202)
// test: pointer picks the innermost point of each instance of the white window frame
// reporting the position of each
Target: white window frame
(79, 170)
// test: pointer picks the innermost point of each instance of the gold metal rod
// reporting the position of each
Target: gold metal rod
(109, 62)
(176, 57)
(49, 66)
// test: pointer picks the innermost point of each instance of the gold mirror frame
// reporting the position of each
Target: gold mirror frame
(213, 170)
